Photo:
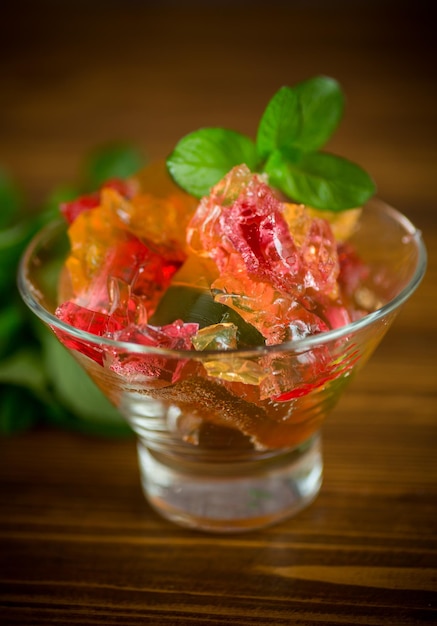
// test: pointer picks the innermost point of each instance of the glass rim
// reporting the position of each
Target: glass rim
(297, 346)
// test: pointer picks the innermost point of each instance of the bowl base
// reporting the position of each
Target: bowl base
(233, 498)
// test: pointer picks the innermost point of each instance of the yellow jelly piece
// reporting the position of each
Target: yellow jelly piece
(92, 234)
(216, 337)
(299, 217)
(230, 368)
(160, 211)
(236, 370)
(196, 271)
(298, 220)
(343, 223)
(258, 303)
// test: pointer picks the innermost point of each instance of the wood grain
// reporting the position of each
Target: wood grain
(78, 543)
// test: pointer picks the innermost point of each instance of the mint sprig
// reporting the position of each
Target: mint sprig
(296, 124)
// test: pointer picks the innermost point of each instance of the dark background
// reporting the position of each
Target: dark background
(78, 543)
(74, 75)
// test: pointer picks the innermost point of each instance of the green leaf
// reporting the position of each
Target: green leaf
(13, 240)
(203, 157)
(321, 180)
(18, 410)
(280, 122)
(321, 105)
(10, 200)
(301, 117)
(24, 368)
(62, 193)
(25, 395)
(75, 389)
(116, 160)
(198, 306)
(23, 389)
(11, 320)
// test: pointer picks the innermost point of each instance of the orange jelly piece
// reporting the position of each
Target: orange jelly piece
(160, 211)
(112, 270)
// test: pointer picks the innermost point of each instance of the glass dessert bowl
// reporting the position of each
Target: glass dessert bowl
(222, 301)
(229, 439)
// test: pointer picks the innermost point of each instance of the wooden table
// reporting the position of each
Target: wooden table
(79, 544)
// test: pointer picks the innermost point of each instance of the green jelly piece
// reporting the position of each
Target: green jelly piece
(198, 306)
(216, 337)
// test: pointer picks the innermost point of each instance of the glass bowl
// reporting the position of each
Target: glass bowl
(230, 440)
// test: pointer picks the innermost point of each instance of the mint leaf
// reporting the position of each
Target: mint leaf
(10, 200)
(203, 157)
(19, 410)
(320, 180)
(321, 105)
(301, 117)
(280, 122)
(23, 389)
(62, 193)
(24, 369)
(75, 389)
(13, 241)
(11, 320)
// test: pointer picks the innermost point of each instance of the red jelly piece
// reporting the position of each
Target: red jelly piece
(176, 336)
(129, 280)
(258, 232)
(70, 210)
(243, 216)
(86, 320)
(321, 371)
(126, 188)
(353, 270)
